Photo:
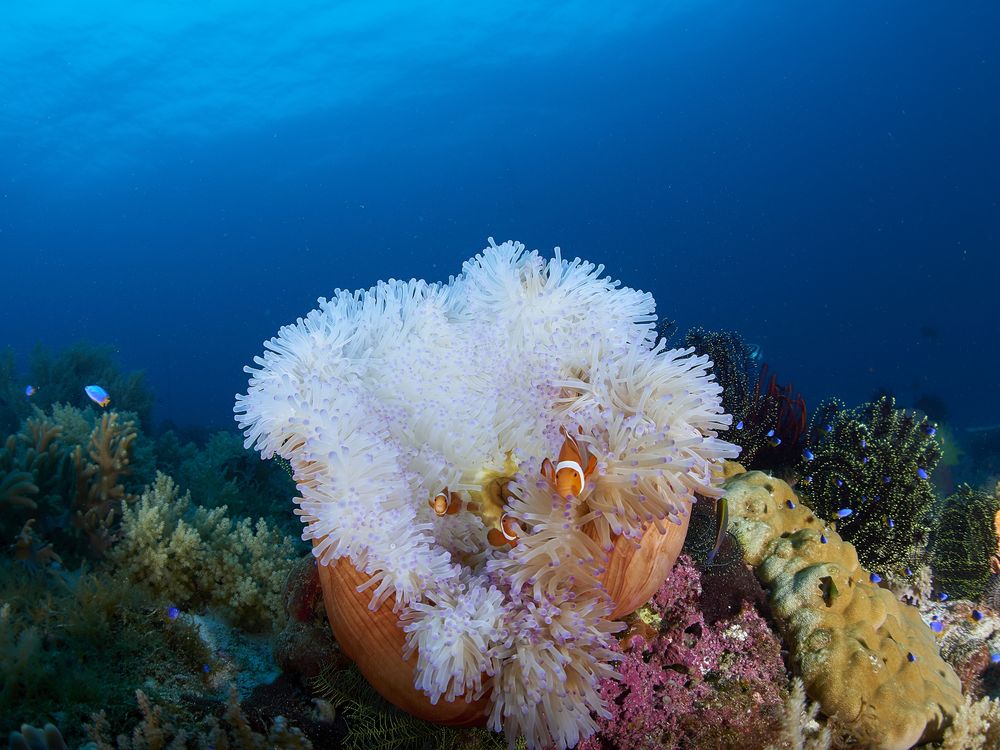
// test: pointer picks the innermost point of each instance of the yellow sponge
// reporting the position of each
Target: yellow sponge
(864, 656)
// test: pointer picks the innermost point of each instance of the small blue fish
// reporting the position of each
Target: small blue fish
(887, 479)
(173, 612)
(844, 512)
(739, 425)
(809, 478)
(840, 482)
(205, 668)
(808, 455)
(890, 523)
(770, 433)
(864, 443)
(910, 656)
(721, 524)
(943, 597)
(977, 615)
(98, 395)
(790, 504)
(937, 626)
(908, 571)
(930, 430)
(921, 473)
(995, 658)
(828, 428)
(774, 442)
(822, 538)
(864, 460)
(30, 391)
(875, 578)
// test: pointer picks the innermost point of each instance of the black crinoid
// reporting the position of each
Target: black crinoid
(769, 419)
(963, 542)
(867, 469)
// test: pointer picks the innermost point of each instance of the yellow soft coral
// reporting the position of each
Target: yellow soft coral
(864, 656)
(193, 556)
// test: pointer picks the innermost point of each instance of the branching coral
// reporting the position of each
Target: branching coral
(381, 398)
(193, 556)
(874, 462)
(157, 731)
(99, 473)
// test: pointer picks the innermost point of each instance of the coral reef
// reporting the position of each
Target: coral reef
(863, 655)
(799, 728)
(156, 730)
(964, 542)
(874, 461)
(769, 419)
(49, 481)
(66, 651)
(686, 684)
(194, 557)
(60, 378)
(384, 400)
(976, 726)
(305, 646)
(32, 738)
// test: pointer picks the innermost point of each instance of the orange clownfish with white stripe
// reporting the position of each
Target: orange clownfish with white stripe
(575, 466)
(447, 503)
(508, 532)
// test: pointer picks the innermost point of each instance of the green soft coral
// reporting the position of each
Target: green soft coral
(196, 557)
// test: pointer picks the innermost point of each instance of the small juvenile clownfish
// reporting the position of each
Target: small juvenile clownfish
(447, 503)
(508, 532)
(98, 395)
(569, 475)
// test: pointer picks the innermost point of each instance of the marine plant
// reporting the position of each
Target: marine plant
(867, 470)
(70, 650)
(484, 454)
(375, 724)
(193, 557)
(964, 542)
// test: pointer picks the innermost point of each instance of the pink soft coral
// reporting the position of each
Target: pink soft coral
(694, 685)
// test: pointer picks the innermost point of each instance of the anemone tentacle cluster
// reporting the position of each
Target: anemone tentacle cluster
(381, 398)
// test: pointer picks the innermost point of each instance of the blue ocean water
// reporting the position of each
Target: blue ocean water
(179, 180)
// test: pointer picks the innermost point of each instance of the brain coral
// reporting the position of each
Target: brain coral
(400, 405)
(864, 656)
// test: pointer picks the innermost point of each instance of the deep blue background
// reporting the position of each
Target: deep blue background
(821, 176)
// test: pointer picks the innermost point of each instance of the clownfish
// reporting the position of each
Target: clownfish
(508, 532)
(447, 503)
(569, 475)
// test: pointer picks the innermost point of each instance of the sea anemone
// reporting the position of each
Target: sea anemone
(423, 424)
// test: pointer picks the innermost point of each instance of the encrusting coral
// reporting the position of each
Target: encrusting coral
(423, 422)
(864, 656)
(686, 684)
(194, 557)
